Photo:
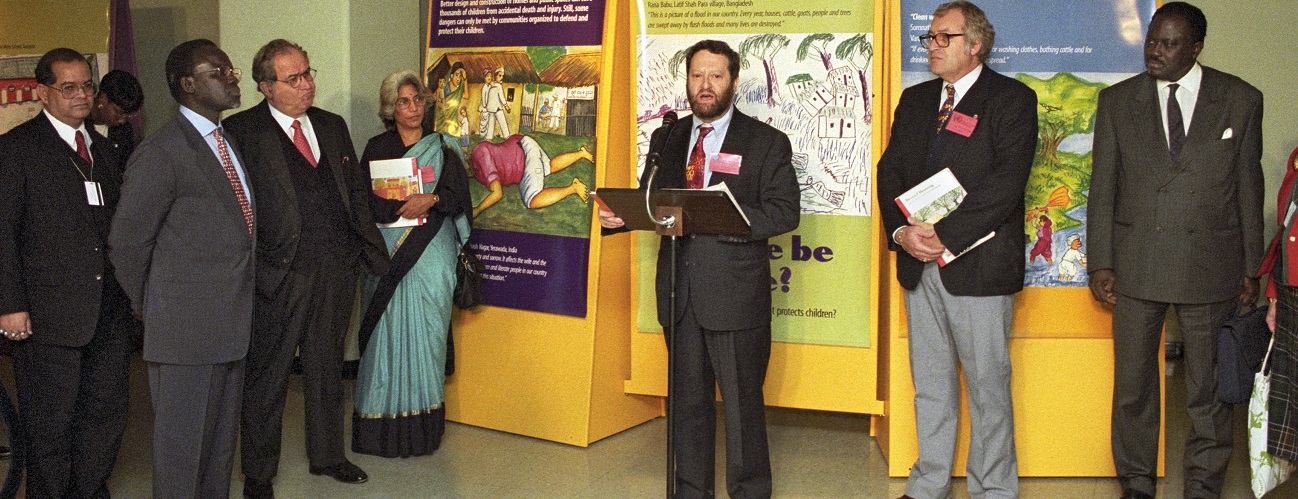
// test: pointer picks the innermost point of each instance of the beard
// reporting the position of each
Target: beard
(715, 109)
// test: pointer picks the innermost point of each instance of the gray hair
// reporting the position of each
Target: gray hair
(391, 88)
(976, 26)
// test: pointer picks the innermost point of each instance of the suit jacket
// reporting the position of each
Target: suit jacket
(53, 261)
(992, 164)
(279, 222)
(1177, 232)
(726, 279)
(182, 250)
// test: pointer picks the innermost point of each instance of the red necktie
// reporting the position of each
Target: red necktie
(82, 150)
(945, 113)
(233, 176)
(303, 147)
(694, 170)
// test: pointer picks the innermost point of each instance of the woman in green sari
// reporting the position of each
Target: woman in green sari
(451, 99)
(405, 328)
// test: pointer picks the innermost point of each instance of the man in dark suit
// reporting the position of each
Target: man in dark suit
(183, 244)
(723, 294)
(1175, 219)
(983, 126)
(315, 234)
(59, 185)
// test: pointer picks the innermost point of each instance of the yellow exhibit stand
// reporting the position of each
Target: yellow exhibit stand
(576, 380)
(555, 377)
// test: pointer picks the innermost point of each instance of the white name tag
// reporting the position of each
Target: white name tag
(94, 194)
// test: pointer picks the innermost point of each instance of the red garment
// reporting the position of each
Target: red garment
(1290, 240)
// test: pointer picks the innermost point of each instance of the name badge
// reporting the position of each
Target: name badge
(726, 163)
(94, 194)
(962, 124)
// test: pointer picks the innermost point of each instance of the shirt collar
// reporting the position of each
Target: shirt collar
(719, 125)
(200, 122)
(1190, 82)
(286, 122)
(66, 132)
(965, 82)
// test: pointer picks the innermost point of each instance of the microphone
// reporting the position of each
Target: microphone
(659, 137)
(656, 143)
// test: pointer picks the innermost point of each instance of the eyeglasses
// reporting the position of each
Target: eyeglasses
(407, 102)
(69, 90)
(296, 79)
(942, 39)
(222, 72)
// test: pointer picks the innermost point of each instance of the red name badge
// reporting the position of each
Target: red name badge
(726, 163)
(426, 175)
(962, 124)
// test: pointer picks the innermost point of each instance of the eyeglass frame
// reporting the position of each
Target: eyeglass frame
(407, 102)
(68, 90)
(222, 72)
(938, 38)
(296, 79)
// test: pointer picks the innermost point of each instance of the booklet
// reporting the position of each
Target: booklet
(397, 179)
(721, 187)
(932, 200)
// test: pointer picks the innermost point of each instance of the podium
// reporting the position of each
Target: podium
(676, 212)
(694, 211)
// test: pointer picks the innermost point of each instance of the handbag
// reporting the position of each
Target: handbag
(468, 278)
(1265, 471)
(1241, 344)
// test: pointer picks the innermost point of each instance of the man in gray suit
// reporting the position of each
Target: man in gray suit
(982, 125)
(182, 242)
(1175, 220)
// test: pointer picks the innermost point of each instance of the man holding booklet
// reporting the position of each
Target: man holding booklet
(979, 127)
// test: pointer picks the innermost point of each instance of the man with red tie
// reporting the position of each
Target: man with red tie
(723, 294)
(59, 300)
(315, 235)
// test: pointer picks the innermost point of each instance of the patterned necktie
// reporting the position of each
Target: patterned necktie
(945, 113)
(1175, 125)
(299, 140)
(82, 150)
(233, 176)
(694, 171)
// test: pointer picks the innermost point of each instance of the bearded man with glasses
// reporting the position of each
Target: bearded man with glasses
(59, 300)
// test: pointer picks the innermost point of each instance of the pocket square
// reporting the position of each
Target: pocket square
(1227, 134)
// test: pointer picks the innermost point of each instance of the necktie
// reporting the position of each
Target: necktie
(303, 147)
(82, 150)
(1175, 126)
(233, 176)
(694, 171)
(945, 113)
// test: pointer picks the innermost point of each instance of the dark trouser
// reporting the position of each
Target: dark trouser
(195, 422)
(311, 312)
(736, 361)
(73, 403)
(1137, 333)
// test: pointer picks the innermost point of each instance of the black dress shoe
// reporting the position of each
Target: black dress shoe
(345, 472)
(257, 489)
(1135, 494)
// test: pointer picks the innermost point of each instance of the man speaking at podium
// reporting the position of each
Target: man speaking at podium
(723, 294)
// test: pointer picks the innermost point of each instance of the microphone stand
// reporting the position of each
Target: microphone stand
(667, 222)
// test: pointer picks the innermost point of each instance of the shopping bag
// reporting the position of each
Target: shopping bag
(1265, 471)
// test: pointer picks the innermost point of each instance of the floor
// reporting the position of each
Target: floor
(813, 455)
